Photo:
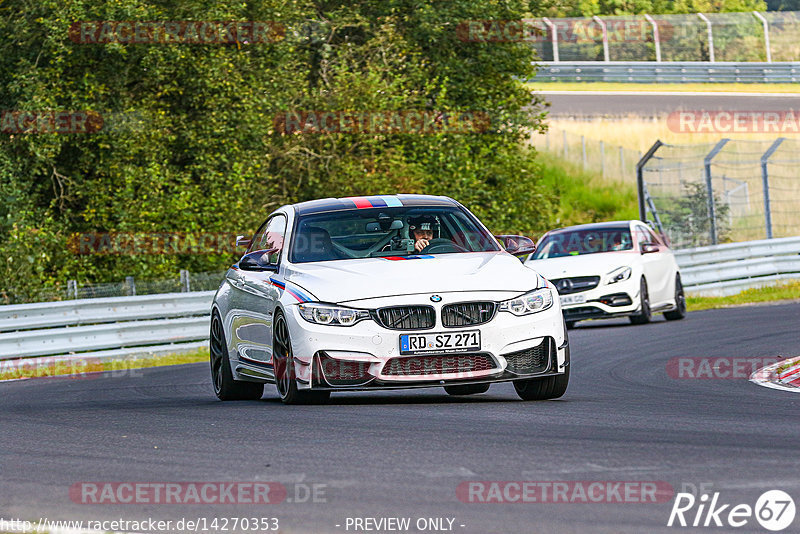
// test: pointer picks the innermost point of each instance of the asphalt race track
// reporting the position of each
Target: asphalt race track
(403, 454)
(572, 103)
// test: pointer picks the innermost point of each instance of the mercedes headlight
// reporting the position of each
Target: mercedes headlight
(318, 313)
(531, 302)
(618, 275)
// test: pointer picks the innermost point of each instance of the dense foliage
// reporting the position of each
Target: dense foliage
(190, 142)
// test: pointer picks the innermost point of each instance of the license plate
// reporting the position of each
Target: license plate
(573, 299)
(440, 342)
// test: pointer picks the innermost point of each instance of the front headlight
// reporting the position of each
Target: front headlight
(317, 313)
(531, 302)
(618, 275)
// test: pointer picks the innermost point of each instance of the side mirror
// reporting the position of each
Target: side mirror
(242, 241)
(257, 261)
(648, 248)
(518, 245)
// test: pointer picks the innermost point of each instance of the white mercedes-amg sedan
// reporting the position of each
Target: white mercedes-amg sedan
(384, 292)
(612, 269)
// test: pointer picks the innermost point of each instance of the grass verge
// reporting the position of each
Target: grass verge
(585, 196)
(789, 291)
(87, 367)
(666, 87)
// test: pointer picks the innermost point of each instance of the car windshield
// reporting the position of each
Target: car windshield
(581, 242)
(387, 232)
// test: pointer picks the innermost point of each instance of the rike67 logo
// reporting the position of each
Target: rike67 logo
(774, 510)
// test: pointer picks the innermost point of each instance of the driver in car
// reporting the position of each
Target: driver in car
(420, 229)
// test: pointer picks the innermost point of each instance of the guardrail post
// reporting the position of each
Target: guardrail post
(765, 181)
(131, 285)
(553, 37)
(640, 178)
(766, 34)
(710, 37)
(712, 217)
(602, 23)
(656, 38)
(185, 287)
(72, 289)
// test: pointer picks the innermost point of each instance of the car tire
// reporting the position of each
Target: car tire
(645, 314)
(467, 389)
(548, 387)
(570, 324)
(680, 302)
(283, 364)
(225, 387)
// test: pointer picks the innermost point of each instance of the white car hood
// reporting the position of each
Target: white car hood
(348, 280)
(597, 264)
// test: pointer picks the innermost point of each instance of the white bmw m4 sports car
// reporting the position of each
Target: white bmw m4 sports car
(344, 294)
(612, 269)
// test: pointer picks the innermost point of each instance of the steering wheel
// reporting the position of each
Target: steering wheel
(441, 244)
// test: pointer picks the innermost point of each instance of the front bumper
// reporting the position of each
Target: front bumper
(603, 302)
(367, 355)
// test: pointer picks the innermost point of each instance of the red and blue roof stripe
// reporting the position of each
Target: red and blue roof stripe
(397, 258)
(380, 201)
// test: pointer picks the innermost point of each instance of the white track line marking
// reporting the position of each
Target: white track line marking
(668, 93)
(765, 377)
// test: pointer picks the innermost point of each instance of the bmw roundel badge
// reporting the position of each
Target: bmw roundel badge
(436, 298)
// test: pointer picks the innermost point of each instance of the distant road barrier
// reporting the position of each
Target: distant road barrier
(732, 267)
(667, 72)
(106, 328)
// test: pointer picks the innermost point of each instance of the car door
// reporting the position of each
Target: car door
(254, 296)
(657, 266)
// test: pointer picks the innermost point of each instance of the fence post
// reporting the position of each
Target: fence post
(766, 34)
(553, 37)
(583, 149)
(603, 158)
(712, 216)
(710, 37)
(603, 27)
(131, 283)
(185, 287)
(640, 178)
(72, 289)
(765, 181)
(656, 37)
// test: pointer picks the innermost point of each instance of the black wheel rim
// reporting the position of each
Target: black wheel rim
(680, 298)
(645, 300)
(216, 349)
(281, 357)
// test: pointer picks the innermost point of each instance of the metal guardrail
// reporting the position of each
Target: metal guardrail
(732, 267)
(667, 72)
(125, 326)
(106, 327)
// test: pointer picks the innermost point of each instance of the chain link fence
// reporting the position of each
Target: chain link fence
(614, 162)
(734, 37)
(732, 190)
(185, 281)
